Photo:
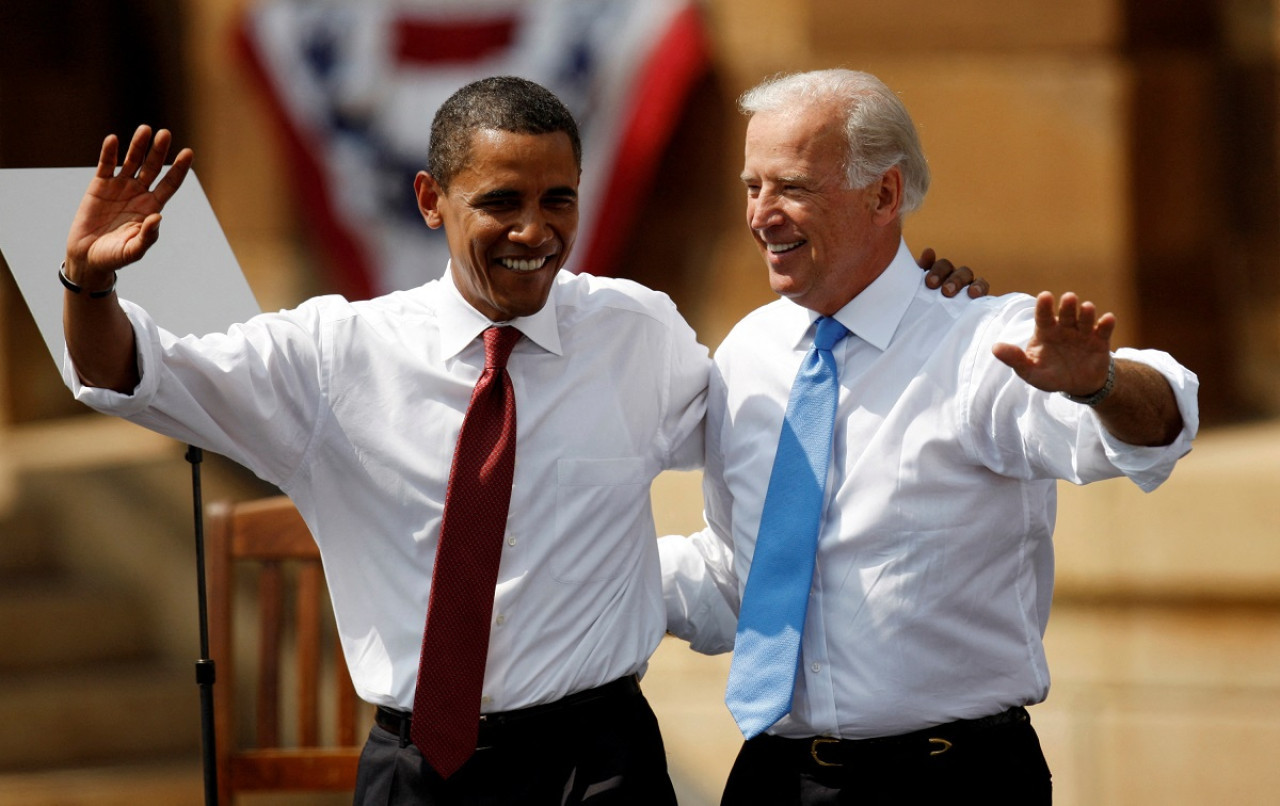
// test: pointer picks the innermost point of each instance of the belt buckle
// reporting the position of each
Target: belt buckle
(813, 751)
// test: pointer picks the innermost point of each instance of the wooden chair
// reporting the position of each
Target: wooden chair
(270, 534)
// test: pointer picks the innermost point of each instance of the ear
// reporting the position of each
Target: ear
(888, 197)
(429, 194)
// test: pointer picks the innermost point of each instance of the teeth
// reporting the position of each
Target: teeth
(523, 265)
(777, 248)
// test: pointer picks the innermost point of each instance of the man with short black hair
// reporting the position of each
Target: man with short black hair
(354, 410)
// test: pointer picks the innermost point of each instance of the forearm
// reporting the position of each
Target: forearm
(100, 338)
(699, 591)
(1142, 408)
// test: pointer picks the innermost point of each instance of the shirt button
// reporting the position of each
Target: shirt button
(500, 620)
(486, 700)
(815, 666)
(511, 541)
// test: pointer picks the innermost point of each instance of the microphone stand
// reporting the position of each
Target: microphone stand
(205, 672)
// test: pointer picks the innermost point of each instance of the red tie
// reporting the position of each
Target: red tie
(446, 702)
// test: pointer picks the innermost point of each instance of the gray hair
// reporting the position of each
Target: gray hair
(878, 129)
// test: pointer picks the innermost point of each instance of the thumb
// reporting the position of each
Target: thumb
(1012, 355)
(146, 236)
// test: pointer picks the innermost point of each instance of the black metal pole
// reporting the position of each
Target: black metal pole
(205, 673)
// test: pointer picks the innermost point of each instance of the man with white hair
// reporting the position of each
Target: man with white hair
(880, 477)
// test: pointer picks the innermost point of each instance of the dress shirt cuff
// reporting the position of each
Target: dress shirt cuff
(1146, 466)
(109, 401)
(697, 610)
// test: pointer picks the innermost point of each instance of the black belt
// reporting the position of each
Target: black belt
(825, 751)
(492, 725)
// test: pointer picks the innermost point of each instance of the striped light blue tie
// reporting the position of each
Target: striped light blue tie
(771, 620)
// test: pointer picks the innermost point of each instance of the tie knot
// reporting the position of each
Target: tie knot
(498, 343)
(829, 332)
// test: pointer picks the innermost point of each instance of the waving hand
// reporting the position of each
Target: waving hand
(1070, 349)
(119, 216)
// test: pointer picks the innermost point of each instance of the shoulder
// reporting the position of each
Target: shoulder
(991, 314)
(1007, 317)
(334, 308)
(586, 295)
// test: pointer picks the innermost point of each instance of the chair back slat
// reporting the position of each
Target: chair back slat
(310, 585)
(347, 702)
(267, 701)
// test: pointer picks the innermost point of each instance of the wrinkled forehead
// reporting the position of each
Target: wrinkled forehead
(519, 160)
(783, 142)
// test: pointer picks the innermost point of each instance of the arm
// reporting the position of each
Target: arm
(1070, 352)
(699, 586)
(117, 222)
(699, 590)
(686, 395)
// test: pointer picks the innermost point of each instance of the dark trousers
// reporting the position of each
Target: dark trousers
(601, 753)
(996, 765)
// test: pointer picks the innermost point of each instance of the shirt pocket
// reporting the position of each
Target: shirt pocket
(601, 507)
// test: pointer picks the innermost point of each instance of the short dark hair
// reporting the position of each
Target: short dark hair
(501, 103)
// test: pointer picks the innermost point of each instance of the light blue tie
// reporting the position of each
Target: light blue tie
(771, 620)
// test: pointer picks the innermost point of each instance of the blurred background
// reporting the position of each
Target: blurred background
(1125, 149)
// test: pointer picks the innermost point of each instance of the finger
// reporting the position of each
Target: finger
(939, 272)
(156, 155)
(979, 288)
(1012, 355)
(1068, 310)
(138, 148)
(1088, 316)
(141, 239)
(107, 157)
(958, 279)
(1045, 316)
(1106, 326)
(150, 230)
(173, 177)
(926, 258)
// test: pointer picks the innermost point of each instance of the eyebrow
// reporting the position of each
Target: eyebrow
(792, 179)
(496, 195)
(502, 194)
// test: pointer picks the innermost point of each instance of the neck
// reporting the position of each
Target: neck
(877, 259)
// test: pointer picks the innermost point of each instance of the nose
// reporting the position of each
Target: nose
(763, 212)
(532, 229)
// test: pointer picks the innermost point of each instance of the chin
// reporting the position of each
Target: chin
(526, 307)
(782, 285)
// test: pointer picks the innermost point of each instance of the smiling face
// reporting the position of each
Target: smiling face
(822, 241)
(510, 216)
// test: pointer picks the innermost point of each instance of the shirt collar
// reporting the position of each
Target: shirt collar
(874, 314)
(460, 323)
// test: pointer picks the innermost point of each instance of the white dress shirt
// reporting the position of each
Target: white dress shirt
(935, 559)
(353, 409)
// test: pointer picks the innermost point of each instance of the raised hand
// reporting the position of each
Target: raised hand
(1070, 350)
(119, 215)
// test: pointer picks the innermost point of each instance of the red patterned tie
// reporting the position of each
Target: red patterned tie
(446, 702)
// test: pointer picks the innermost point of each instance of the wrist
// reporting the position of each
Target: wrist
(1102, 393)
(77, 288)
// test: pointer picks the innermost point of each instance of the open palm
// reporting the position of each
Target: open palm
(119, 216)
(1070, 350)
